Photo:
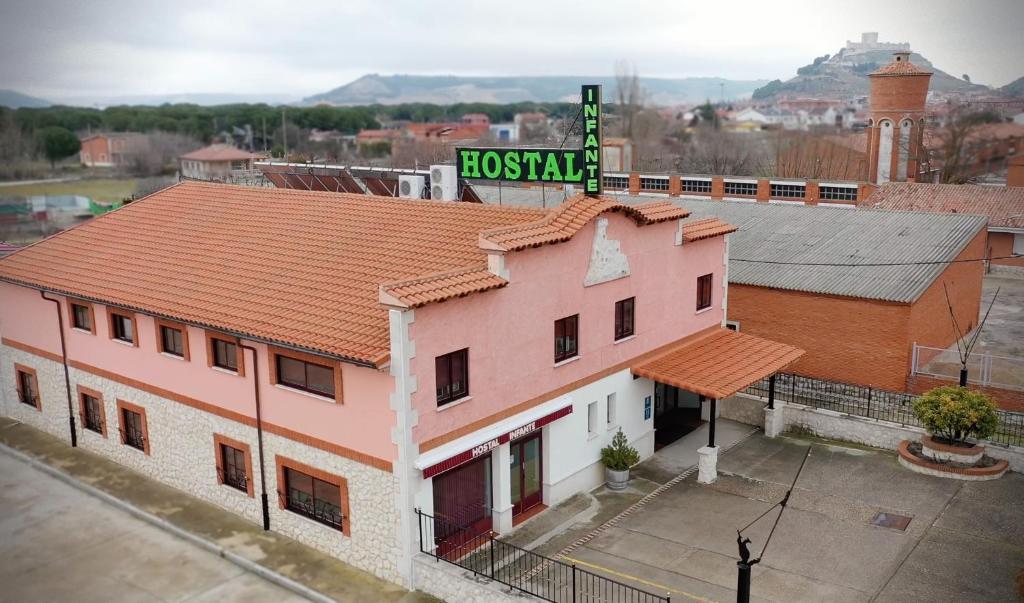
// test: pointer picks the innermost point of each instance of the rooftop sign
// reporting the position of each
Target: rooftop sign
(567, 166)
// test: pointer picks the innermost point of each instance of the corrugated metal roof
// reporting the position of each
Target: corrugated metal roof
(824, 235)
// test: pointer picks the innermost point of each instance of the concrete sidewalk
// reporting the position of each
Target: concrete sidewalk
(294, 565)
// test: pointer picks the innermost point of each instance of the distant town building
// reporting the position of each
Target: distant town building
(869, 43)
(111, 150)
(215, 162)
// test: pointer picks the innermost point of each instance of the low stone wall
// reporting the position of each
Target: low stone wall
(879, 434)
(450, 583)
(743, 409)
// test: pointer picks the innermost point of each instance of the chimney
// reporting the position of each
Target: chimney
(1015, 171)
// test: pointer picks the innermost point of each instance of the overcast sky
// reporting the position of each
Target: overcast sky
(67, 49)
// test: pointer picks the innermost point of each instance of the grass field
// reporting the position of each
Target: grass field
(101, 189)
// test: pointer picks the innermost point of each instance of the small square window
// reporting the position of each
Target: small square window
(704, 291)
(132, 432)
(92, 413)
(567, 337)
(225, 354)
(171, 341)
(81, 317)
(122, 327)
(624, 318)
(233, 471)
(451, 373)
(28, 387)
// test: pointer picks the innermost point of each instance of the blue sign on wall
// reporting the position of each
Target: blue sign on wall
(647, 408)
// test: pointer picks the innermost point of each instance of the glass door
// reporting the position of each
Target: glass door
(526, 473)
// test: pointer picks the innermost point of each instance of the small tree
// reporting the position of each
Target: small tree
(957, 413)
(620, 455)
(58, 143)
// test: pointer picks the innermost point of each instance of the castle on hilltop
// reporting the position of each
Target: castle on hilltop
(869, 42)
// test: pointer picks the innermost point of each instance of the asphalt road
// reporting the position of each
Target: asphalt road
(60, 544)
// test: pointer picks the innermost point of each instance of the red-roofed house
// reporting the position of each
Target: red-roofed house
(109, 150)
(215, 162)
(466, 360)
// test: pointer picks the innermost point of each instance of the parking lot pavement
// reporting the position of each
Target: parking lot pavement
(60, 544)
(963, 542)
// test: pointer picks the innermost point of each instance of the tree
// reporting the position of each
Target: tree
(957, 413)
(958, 143)
(629, 96)
(58, 143)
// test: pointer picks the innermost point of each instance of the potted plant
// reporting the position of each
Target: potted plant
(617, 459)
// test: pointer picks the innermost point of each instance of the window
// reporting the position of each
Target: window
(696, 186)
(838, 193)
(81, 317)
(313, 497)
(610, 410)
(233, 468)
(92, 412)
(624, 318)
(790, 191)
(1018, 244)
(133, 432)
(732, 325)
(741, 188)
(616, 182)
(122, 327)
(225, 354)
(654, 184)
(452, 376)
(703, 292)
(27, 385)
(306, 376)
(567, 337)
(592, 418)
(171, 341)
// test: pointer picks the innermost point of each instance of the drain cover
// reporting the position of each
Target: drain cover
(891, 520)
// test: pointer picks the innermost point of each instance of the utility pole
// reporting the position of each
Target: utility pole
(284, 134)
(264, 134)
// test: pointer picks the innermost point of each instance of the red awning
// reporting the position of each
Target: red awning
(718, 364)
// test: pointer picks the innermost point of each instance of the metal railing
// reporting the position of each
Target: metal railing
(987, 370)
(522, 570)
(863, 401)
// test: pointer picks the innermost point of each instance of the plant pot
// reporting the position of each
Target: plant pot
(941, 451)
(617, 480)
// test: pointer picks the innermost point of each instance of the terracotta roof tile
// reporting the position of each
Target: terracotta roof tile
(296, 267)
(706, 228)
(566, 220)
(439, 287)
(719, 364)
(218, 152)
(1004, 205)
(900, 68)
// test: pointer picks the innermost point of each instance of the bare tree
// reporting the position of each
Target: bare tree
(957, 144)
(629, 97)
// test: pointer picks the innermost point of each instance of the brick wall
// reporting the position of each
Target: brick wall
(846, 339)
(1006, 399)
(1000, 244)
(930, 323)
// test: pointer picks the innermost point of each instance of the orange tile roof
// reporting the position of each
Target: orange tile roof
(440, 287)
(218, 152)
(300, 268)
(295, 267)
(566, 220)
(706, 228)
(900, 68)
(719, 363)
(1004, 205)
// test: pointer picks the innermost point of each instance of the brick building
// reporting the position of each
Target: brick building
(896, 128)
(1002, 205)
(110, 150)
(326, 364)
(857, 325)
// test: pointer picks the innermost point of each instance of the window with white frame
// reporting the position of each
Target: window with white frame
(592, 418)
(610, 409)
(653, 184)
(696, 186)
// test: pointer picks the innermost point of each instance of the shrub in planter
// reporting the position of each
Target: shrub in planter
(617, 459)
(954, 414)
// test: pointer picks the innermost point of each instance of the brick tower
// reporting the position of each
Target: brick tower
(898, 93)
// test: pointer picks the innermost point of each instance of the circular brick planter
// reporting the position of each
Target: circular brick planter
(938, 451)
(930, 467)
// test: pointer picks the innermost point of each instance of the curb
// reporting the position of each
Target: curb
(242, 562)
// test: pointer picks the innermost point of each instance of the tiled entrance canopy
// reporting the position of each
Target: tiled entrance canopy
(718, 364)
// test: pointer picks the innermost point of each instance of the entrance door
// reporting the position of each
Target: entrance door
(462, 504)
(526, 473)
(676, 413)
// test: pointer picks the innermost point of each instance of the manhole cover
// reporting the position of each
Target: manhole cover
(891, 520)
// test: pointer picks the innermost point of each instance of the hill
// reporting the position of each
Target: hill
(16, 100)
(448, 89)
(1014, 89)
(845, 75)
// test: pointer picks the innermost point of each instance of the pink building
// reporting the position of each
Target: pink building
(346, 359)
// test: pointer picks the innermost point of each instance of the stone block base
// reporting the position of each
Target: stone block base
(774, 420)
(707, 464)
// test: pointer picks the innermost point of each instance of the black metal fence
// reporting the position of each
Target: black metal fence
(878, 404)
(522, 570)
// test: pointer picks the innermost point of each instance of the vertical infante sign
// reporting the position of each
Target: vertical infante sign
(567, 166)
(592, 183)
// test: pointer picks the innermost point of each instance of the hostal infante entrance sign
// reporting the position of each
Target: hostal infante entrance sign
(567, 166)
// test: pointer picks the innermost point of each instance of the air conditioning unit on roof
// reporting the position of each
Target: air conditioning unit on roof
(411, 186)
(444, 183)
